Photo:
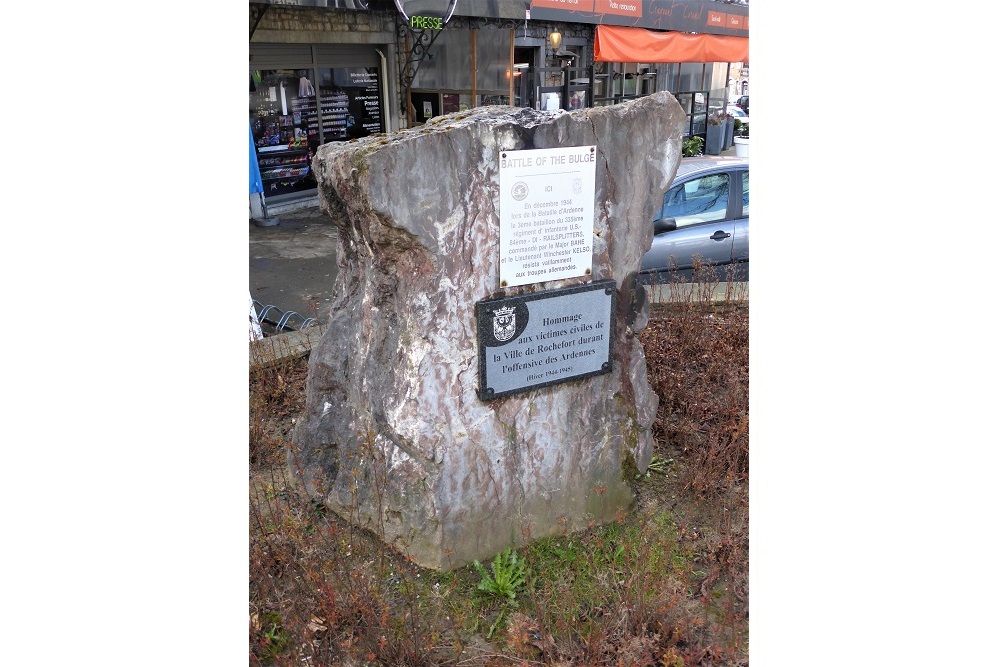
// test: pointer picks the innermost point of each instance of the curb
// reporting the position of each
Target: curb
(698, 292)
(281, 347)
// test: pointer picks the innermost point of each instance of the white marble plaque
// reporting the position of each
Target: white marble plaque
(546, 214)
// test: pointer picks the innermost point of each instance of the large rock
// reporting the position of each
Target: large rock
(394, 436)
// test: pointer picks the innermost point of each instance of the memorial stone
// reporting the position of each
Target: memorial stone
(415, 427)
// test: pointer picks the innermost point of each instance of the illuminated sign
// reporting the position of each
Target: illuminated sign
(426, 14)
(426, 22)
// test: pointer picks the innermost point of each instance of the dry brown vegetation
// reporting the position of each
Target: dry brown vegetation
(666, 584)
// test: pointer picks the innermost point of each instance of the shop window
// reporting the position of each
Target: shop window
(448, 63)
(443, 81)
(692, 76)
(717, 75)
(699, 124)
(284, 129)
(294, 111)
(449, 103)
(349, 101)
(425, 106)
(489, 100)
(717, 101)
(684, 99)
(492, 55)
(667, 76)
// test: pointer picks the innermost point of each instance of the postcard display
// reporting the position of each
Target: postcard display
(290, 117)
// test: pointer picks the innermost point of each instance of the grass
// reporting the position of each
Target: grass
(665, 584)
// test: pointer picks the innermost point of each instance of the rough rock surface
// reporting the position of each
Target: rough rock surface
(394, 437)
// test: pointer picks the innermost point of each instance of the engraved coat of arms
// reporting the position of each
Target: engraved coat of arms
(504, 323)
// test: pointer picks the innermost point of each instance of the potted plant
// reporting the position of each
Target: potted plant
(691, 147)
(727, 134)
(714, 135)
(742, 138)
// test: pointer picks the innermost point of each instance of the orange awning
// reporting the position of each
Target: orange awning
(615, 44)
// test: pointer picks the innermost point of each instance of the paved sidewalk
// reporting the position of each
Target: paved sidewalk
(293, 264)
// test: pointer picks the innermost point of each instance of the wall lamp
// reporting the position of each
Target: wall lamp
(555, 38)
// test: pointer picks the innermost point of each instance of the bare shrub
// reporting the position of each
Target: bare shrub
(697, 353)
(277, 395)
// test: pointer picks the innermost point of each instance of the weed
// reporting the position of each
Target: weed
(507, 578)
(658, 465)
(273, 639)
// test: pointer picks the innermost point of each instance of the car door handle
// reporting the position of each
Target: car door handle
(719, 235)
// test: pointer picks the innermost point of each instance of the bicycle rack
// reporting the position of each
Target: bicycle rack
(282, 319)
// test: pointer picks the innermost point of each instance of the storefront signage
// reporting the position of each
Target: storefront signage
(364, 103)
(426, 22)
(546, 214)
(424, 12)
(545, 338)
(699, 16)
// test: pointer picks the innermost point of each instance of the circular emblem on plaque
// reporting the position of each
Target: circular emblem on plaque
(503, 323)
(519, 191)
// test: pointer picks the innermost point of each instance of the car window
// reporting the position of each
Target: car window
(699, 200)
(746, 194)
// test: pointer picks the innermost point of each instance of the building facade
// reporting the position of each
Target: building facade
(333, 70)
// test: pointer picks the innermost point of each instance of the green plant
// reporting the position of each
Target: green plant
(659, 465)
(692, 146)
(741, 128)
(507, 578)
(273, 639)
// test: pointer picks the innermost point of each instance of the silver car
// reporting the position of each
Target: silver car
(706, 214)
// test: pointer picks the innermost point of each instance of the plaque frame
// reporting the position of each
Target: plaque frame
(485, 334)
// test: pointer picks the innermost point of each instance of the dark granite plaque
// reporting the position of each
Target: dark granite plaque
(545, 338)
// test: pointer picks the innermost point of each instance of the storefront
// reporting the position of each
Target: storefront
(306, 95)
(691, 49)
(476, 62)
(330, 70)
(320, 71)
